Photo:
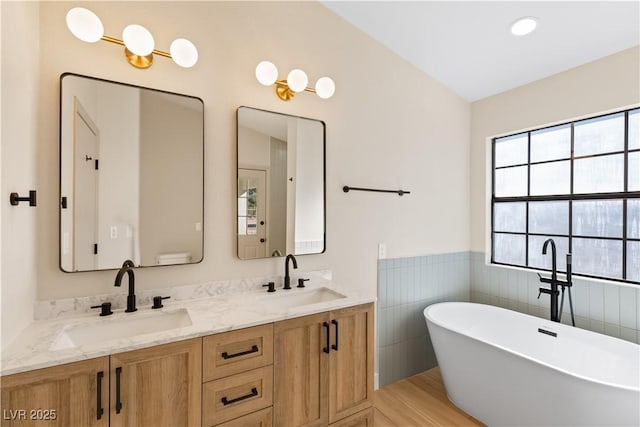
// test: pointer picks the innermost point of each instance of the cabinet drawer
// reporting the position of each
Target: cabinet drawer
(263, 418)
(237, 395)
(360, 419)
(237, 351)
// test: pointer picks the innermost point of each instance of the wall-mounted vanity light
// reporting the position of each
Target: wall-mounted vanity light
(297, 80)
(138, 42)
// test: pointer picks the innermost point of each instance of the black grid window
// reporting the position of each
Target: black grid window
(578, 183)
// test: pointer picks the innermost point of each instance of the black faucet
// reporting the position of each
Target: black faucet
(553, 280)
(555, 313)
(127, 267)
(287, 279)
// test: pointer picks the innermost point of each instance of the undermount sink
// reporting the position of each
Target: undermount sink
(294, 298)
(123, 326)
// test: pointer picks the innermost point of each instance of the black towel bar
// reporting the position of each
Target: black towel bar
(15, 199)
(346, 189)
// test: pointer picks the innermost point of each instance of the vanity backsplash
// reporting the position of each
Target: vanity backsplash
(51, 309)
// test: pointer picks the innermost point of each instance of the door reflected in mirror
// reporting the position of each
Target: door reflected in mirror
(281, 184)
(131, 175)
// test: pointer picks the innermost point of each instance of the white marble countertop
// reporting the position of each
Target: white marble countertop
(35, 347)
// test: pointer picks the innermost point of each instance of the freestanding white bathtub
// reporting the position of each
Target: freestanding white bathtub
(498, 367)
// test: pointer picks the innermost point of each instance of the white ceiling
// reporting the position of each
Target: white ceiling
(468, 46)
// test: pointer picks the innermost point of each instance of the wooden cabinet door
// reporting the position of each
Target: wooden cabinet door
(157, 386)
(301, 370)
(351, 361)
(74, 394)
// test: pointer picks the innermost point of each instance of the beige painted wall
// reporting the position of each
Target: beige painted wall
(610, 83)
(20, 158)
(388, 126)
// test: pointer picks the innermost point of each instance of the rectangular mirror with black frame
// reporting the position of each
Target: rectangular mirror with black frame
(280, 184)
(131, 175)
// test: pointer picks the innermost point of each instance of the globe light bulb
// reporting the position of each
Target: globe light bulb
(183, 53)
(138, 40)
(84, 24)
(266, 73)
(297, 80)
(325, 87)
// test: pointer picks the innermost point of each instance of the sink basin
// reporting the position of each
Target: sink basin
(297, 298)
(123, 326)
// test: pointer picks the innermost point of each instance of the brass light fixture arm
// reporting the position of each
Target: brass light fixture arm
(285, 93)
(136, 60)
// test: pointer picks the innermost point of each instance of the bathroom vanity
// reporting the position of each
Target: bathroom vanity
(310, 365)
(229, 354)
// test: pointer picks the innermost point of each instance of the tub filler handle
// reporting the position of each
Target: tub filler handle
(547, 291)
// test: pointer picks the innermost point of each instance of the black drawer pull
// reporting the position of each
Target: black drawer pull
(335, 346)
(118, 401)
(254, 349)
(328, 347)
(254, 392)
(99, 410)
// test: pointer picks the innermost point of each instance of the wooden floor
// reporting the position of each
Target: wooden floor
(419, 401)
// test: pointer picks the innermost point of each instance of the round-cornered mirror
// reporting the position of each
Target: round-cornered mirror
(280, 184)
(131, 175)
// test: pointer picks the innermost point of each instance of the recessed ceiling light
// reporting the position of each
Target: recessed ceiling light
(523, 26)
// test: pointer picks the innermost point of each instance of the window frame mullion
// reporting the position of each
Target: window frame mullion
(623, 196)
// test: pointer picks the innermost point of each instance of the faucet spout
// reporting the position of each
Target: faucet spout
(287, 279)
(127, 267)
(554, 271)
(553, 292)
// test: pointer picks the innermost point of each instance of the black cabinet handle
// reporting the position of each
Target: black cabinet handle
(100, 409)
(327, 348)
(225, 401)
(254, 349)
(335, 346)
(118, 401)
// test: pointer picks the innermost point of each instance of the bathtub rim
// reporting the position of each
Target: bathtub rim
(430, 318)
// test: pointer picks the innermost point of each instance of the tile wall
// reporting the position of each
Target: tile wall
(405, 287)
